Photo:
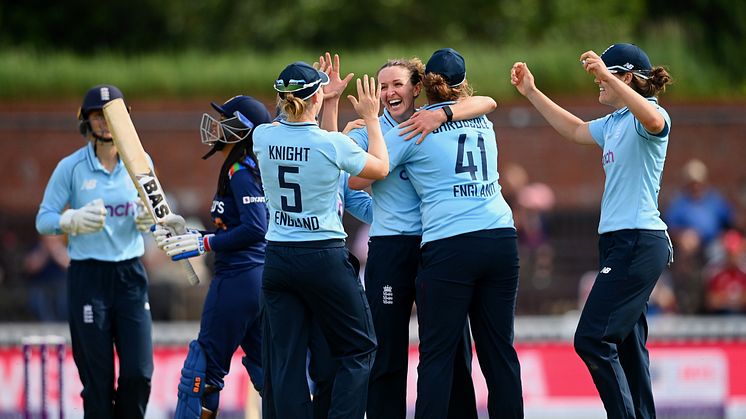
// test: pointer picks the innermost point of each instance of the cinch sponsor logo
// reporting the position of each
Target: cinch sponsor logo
(608, 157)
(122, 210)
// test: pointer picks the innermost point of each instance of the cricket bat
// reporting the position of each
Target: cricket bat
(135, 160)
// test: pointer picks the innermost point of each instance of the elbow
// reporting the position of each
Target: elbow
(380, 173)
(492, 105)
(655, 126)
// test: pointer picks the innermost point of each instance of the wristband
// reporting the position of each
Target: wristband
(206, 242)
(449, 113)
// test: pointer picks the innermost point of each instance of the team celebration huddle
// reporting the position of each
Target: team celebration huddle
(318, 341)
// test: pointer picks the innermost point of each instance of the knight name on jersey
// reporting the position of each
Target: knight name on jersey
(285, 219)
(288, 153)
(470, 190)
(479, 122)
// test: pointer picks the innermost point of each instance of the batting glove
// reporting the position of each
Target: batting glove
(187, 245)
(88, 219)
(143, 220)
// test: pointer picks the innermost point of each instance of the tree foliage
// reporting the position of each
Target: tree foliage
(716, 28)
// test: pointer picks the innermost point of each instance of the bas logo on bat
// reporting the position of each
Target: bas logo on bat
(155, 195)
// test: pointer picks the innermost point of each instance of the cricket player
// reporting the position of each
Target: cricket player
(307, 272)
(91, 198)
(394, 251)
(469, 248)
(634, 245)
(231, 316)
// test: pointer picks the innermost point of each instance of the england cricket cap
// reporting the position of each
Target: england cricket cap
(300, 79)
(449, 64)
(96, 97)
(248, 111)
(623, 58)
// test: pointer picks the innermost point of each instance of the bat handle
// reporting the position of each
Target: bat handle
(191, 275)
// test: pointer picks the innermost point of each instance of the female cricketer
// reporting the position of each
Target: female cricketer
(469, 252)
(634, 246)
(107, 285)
(394, 249)
(231, 313)
(307, 273)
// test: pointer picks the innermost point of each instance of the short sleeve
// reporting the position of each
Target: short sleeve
(596, 128)
(348, 156)
(360, 136)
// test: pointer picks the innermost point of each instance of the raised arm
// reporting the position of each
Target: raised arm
(332, 91)
(564, 122)
(367, 105)
(427, 120)
(641, 108)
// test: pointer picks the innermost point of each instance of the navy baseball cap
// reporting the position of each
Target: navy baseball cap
(300, 79)
(623, 58)
(449, 64)
(247, 110)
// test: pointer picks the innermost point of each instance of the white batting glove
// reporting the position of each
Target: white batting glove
(167, 227)
(88, 219)
(187, 245)
(143, 220)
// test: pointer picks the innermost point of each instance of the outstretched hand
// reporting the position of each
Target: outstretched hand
(521, 78)
(336, 85)
(368, 102)
(422, 123)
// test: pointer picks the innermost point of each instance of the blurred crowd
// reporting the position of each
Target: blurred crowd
(706, 227)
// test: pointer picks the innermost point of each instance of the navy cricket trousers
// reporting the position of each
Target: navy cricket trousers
(613, 329)
(393, 263)
(108, 308)
(474, 274)
(315, 280)
(231, 317)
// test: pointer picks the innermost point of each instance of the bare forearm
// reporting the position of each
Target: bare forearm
(330, 115)
(564, 122)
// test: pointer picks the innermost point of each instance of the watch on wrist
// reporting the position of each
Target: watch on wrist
(449, 113)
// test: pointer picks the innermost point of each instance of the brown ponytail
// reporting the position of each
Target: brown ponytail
(654, 85)
(437, 89)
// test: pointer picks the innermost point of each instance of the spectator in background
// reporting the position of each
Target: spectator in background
(699, 214)
(45, 267)
(725, 282)
(696, 217)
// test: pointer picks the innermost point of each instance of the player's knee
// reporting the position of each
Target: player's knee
(137, 383)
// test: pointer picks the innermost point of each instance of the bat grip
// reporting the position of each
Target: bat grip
(191, 275)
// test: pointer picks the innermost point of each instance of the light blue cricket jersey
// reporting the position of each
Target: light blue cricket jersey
(454, 171)
(633, 162)
(79, 179)
(300, 166)
(357, 203)
(396, 206)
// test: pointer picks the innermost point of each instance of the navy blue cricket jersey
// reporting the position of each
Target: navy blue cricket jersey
(241, 220)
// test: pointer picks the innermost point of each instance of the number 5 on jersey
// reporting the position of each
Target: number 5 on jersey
(295, 187)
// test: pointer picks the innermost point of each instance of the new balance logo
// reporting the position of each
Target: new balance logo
(88, 185)
(605, 270)
(388, 294)
(87, 313)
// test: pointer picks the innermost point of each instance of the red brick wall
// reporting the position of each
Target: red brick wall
(35, 137)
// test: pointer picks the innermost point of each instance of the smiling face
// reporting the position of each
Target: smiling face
(607, 96)
(397, 92)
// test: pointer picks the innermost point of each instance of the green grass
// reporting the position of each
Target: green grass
(35, 75)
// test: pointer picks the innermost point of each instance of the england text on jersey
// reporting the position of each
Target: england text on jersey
(474, 190)
(285, 219)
